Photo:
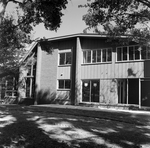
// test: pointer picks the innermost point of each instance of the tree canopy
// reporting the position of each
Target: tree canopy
(15, 28)
(120, 17)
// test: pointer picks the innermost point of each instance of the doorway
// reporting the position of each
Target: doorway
(133, 89)
(90, 90)
(145, 93)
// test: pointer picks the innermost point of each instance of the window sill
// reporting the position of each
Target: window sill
(63, 89)
(67, 65)
(130, 61)
(96, 63)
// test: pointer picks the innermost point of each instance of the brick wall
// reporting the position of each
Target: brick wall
(49, 70)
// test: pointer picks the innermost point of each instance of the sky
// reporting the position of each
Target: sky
(71, 21)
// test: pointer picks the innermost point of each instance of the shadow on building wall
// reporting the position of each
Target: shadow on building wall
(48, 97)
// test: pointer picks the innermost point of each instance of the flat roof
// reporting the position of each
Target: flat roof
(81, 35)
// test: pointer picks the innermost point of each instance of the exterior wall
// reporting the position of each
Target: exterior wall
(67, 71)
(118, 70)
(64, 72)
(109, 72)
(51, 72)
(108, 91)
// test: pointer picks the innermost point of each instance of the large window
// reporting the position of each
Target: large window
(65, 58)
(64, 84)
(97, 56)
(129, 53)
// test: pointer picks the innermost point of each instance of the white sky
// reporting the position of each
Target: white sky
(71, 21)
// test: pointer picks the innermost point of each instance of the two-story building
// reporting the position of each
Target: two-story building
(87, 69)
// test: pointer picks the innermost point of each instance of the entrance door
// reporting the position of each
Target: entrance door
(145, 92)
(94, 91)
(90, 91)
(122, 91)
(133, 91)
(86, 91)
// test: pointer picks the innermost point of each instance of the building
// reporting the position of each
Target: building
(87, 69)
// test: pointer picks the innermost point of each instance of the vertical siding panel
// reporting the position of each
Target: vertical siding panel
(116, 70)
(124, 70)
(109, 70)
(121, 70)
(85, 72)
(102, 71)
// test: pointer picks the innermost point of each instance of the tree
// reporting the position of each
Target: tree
(120, 17)
(15, 30)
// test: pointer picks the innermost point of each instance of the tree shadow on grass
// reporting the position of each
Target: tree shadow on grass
(95, 132)
(36, 128)
(17, 132)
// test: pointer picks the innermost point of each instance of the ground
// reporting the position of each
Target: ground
(54, 127)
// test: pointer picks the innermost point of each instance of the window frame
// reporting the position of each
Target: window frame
(129, 57)
(85, 56)
(64, 87)
(64, 52)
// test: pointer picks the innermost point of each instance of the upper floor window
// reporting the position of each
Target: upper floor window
(128, 53)
(97, 56)
(65, 58)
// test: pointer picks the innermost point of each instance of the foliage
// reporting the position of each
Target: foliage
(120, 17)
(15, 29)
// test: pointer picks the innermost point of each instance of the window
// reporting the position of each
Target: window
(64, 84)
(97, 56)
(129, 53)
(65, 58)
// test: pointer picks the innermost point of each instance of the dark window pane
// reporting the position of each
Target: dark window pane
(28, 87)
(131, 53)
(62, 59)
(68, 58)
(137, 53)
(95, 91)
(98, 55)
(124, 53)
(94, 56)
(119, 54)
(61, 84)
(67, 84)
(29, 70)
(84, 56)
(8, 93)
(104, 55)
(143, 53)
(86, 91)
(88, 56)
(109, 55)
(148, 52)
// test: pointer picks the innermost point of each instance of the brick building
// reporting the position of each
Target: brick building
(86, 69)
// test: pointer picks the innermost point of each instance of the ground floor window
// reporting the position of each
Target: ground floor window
(64, 84)
(132, 91)
(90, 90)
(128, 91)
(145, 92)
(122, 91)
(29, 86)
